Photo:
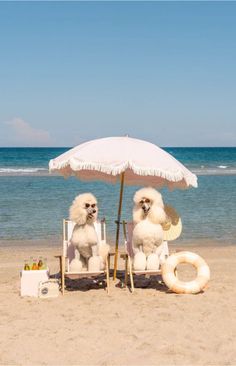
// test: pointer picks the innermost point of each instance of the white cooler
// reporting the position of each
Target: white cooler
(30, 281)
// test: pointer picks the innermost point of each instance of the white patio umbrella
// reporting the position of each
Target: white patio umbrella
(133, 161)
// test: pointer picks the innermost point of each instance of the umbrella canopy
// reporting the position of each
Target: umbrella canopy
(143, 163)
(136, 162)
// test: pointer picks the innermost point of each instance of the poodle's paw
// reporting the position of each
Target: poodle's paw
(94, 264)
(76, 265)
(139, 263)
(153, 262)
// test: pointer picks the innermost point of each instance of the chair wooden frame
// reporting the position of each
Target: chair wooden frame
(128, 257)
(64, 260)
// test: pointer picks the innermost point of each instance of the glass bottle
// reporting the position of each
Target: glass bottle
(34, 265)
(26, 265)
(40, 263)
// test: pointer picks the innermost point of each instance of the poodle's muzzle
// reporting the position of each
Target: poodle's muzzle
(146, 207)
(91, 210)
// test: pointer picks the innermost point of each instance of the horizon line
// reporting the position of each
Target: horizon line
(71, 147)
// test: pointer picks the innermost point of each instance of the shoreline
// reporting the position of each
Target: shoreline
(56, 241)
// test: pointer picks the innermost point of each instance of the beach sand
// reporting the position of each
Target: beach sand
(88, 327)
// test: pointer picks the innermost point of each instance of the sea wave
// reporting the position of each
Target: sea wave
(219, 170)
(23, 171)
(39, 171)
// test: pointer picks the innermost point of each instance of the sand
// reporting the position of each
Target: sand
(88, 327)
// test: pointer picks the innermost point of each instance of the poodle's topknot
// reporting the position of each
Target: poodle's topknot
(78, 212)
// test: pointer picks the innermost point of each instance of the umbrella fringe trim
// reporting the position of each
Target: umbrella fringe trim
(71, 165)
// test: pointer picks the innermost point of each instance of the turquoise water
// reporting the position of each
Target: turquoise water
(33, 203)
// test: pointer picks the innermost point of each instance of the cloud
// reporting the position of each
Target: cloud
(22, 133)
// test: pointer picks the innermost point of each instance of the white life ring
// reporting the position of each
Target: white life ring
(181, 287)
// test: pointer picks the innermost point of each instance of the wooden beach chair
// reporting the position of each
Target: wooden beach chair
(69, 253)
(129, 255)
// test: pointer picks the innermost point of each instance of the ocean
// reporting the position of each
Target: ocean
(33, 202)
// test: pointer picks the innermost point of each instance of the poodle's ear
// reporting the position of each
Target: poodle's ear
(157, 214)
(137, 214)
(77, 213)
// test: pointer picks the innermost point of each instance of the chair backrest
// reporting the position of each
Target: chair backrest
(68, 227)
(128, 228)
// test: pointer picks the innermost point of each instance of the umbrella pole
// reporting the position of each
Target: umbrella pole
(118, 223)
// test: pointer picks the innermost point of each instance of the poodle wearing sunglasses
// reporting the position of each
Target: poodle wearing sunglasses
(83, 212)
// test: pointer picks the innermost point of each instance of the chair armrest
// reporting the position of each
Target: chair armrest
(111, 253)
(59, 256)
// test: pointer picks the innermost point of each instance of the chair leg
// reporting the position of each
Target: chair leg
(108, 275)
(63, 275)
(109, 262)
(60, 263)
(131, 275)
(126, 270)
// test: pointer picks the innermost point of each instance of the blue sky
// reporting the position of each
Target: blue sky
(73, 71)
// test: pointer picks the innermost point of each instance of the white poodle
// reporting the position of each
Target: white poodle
(89, 254)
(148, 217)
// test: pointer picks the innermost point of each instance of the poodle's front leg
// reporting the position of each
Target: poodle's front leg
(159, 250)
(140, 260)
(84, 263)
(94, 262)
(95, 250)
(153, 262)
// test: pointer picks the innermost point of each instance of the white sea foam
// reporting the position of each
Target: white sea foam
(201, 170)
(22, 170)
(214, 171)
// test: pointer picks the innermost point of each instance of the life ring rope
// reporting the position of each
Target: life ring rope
(190, 287)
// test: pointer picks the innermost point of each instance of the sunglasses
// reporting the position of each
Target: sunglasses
(145, 200)
(87, 205)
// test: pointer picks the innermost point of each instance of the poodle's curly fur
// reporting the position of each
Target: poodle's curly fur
(156, 214)
(84, 212)
(78, 211)
(148, 216)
